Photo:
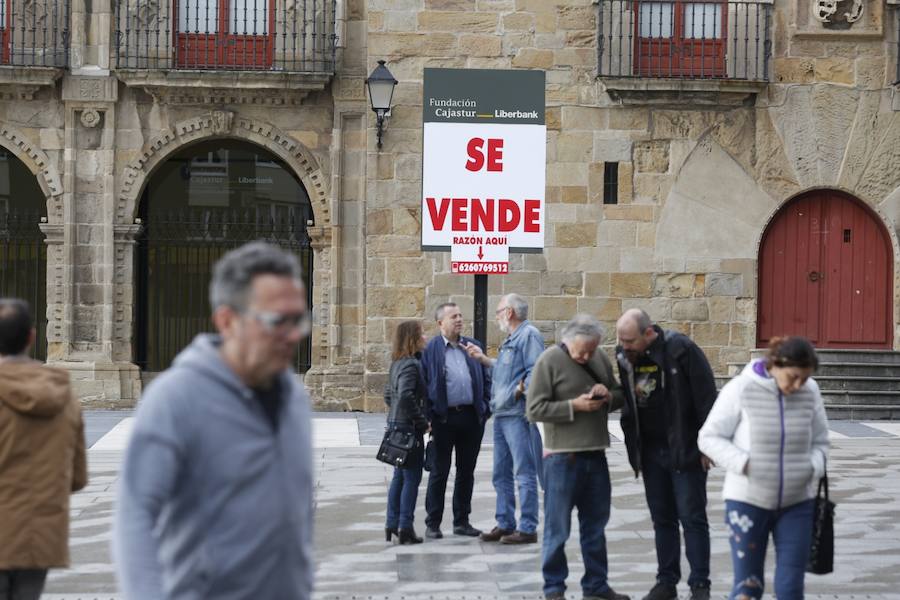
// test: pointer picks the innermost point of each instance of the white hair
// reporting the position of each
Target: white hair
(582, 325)
(518, 305)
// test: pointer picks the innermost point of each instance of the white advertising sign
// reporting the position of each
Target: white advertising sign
(483, 166)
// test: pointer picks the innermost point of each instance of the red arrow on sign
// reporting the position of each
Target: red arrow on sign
(480, 253)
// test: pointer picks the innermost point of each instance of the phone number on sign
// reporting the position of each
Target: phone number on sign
(480, 268)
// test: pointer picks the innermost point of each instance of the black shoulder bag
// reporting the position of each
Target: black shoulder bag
(398, 442)
(821, 549)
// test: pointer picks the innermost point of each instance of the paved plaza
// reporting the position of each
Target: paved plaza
(355, 563)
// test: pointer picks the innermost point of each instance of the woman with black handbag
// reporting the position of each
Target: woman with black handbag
(768, 429)
(405, 397)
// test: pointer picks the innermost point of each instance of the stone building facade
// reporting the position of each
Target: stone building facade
(700, 163)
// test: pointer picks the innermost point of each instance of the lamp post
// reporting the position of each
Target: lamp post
(381, 90)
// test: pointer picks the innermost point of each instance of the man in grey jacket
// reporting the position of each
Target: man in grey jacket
(216, 494)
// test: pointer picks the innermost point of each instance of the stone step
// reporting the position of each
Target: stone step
(843, 398)
(846, 398)
(864, 412)
(858, 384)
(828, 355)
(858, 369)
(829, 368)
(840, 382)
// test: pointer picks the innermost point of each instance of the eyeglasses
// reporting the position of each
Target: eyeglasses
(282, 323)
(500, 310)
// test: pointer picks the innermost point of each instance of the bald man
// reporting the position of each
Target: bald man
(669, 390)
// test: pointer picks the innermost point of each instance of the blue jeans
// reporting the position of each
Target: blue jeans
(537, 448)
(402, 497)
(576, 480)
(677, 497)
(791, 530)
(514, 456)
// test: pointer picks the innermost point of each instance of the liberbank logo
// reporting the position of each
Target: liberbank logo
(467, 108)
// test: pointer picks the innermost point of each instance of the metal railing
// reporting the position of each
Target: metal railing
(685, 39)
(34, 33)
(23, 268)
(239, 35)
(897, 33)
(176, 253)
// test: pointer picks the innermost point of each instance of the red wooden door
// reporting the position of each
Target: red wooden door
(5, 23)
(684, 38)
(825, 272)
(224, 33)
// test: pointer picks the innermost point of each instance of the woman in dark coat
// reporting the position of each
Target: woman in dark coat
(405, 397)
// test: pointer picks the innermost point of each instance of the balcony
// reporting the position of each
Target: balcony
(694, 48)
(34, 33)
(222, 44)
(34, 45)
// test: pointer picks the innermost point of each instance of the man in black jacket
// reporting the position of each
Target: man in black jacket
(670, 389)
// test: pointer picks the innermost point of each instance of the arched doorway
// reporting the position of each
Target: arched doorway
(826, 272)
(203, 201)
(23, 253)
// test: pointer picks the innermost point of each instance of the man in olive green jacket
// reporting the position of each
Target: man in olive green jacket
(572, 391)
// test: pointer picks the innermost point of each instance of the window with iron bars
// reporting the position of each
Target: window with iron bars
(34, 33)
(685, 39)
(897, 45)
(245, 35)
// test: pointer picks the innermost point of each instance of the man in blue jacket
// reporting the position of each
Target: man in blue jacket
(459, 393)
(216, 494)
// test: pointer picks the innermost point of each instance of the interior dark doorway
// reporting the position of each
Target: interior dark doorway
(202, 202)
(23, 253)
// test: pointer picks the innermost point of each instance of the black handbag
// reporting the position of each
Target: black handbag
(821, 550)
(430, 457)
(396, 446)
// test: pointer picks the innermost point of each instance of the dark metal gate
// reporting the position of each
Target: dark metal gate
(175, 257)
(23, 268)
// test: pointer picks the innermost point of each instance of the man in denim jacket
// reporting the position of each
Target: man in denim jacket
(517, 443)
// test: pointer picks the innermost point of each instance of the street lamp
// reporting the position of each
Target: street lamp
(381, 89)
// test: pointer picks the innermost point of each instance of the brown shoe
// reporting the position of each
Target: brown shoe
(495, 534)
(518, 537)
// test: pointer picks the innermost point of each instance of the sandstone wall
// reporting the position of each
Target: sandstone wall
(700, 176)
(698, 181)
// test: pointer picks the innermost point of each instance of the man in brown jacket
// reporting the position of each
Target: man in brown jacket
(42, 459)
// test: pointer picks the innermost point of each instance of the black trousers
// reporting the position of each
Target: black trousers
(22, 584)
(461, 432)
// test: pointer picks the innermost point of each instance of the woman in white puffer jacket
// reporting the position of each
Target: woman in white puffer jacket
(768, 429)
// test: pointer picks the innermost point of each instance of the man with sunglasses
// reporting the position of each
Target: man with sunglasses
(215, 498)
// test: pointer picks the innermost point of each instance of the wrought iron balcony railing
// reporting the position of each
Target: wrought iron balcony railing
(897, 49)
(684, 39)
(34, 33)
(237, 35)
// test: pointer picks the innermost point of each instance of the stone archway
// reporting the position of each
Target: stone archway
(220, 124)
(39, 164)
(48, 179)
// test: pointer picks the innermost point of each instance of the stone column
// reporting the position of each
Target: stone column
(338, 379)
(101, 371)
